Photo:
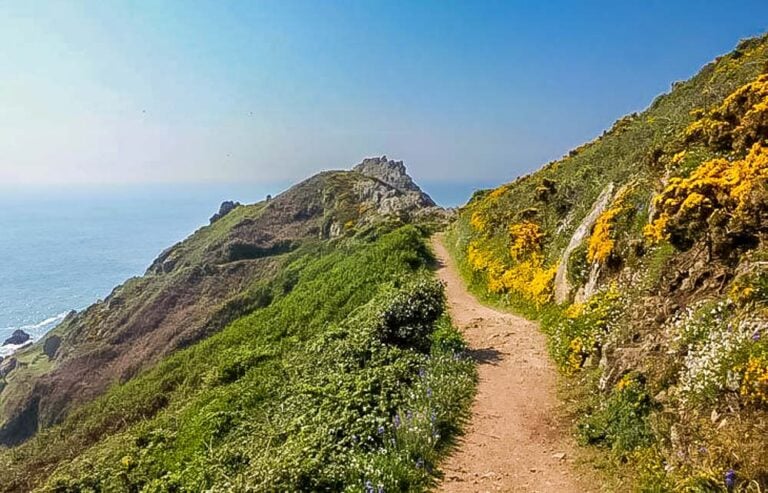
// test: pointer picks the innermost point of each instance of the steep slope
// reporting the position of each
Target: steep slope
(194, 289)
(642, 253)
(298, 344)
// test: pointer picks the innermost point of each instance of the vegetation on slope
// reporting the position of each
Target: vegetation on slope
(663, 316)
(194, 289)
(352, 378)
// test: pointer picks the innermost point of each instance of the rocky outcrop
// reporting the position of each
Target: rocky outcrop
(394, 174)
(18, 337)
(8, 366)
(562, 286)
(51, 345)
(392, 192)
(197, 286)
(225, 208)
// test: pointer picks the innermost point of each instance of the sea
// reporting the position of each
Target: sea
(62, 249)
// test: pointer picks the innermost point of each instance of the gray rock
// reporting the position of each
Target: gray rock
(394, 174)
(225, 208)
(7, 367)
(18, 337)
(51, 345)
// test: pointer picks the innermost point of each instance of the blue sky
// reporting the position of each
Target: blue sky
(271, 91)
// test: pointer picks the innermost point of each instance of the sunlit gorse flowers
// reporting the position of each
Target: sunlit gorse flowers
(665, 312)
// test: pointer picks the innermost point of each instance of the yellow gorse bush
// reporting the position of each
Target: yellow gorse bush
(678, 157)
(478, 221)
(482, 217)
(717, 184)
(526, 239)
(739, 122)
(754, 385)
(602, 242)
(525, 273)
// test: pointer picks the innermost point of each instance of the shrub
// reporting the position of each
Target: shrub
(724, 199)
(602, 241)
(409, 317)
(739, 122)
(582, 329)
(446, 338)
(716, 343)
(621, 423)
(524, 272)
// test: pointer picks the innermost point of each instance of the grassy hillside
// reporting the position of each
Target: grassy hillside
(192, 291)
(643, 253)
(350, 376)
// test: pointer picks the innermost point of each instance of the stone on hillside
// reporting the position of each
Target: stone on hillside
(51, 345)
(226, 207)
(7, 367)
(18, 337)
(393, 173)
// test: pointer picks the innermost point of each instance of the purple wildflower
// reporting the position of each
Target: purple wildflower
(419, 463)
(408, 415)
(380, 429)
(756, 336)
(422, 372)
(396, 421)
(730, 479)
(381, 488)
(369, 487)
(429, 392)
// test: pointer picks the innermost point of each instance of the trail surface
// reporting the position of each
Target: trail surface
(514, 440)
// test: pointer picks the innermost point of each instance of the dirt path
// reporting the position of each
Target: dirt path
(514, 441)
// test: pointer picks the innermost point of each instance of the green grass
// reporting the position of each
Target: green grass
(598, 343)
(301, 395)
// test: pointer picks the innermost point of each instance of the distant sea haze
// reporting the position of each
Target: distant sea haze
(63, 249)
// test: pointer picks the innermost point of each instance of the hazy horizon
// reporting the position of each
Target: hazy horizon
(274, 91)
(445, 193)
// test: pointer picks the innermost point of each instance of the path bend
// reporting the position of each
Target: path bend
(514, 441)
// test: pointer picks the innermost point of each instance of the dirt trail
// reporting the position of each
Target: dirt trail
(514, 441)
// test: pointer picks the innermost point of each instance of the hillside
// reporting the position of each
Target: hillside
(270, 350)
(643, 255)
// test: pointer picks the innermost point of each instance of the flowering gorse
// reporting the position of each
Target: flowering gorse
(584, 328)
(523, 271)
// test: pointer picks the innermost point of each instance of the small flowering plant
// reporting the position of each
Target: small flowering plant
(724, 352)
(583, 328)
(754, 383)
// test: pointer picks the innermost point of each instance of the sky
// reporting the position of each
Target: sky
(273, 91)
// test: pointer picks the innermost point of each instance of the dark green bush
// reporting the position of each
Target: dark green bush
(621, 422)
(408, 318)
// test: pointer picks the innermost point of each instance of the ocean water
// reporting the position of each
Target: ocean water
(63, 249)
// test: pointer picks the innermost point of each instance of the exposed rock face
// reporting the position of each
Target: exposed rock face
(51, 345)
(18, 337)
(8, 366)
(225, 208)
(561, 285)
(394, 174)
